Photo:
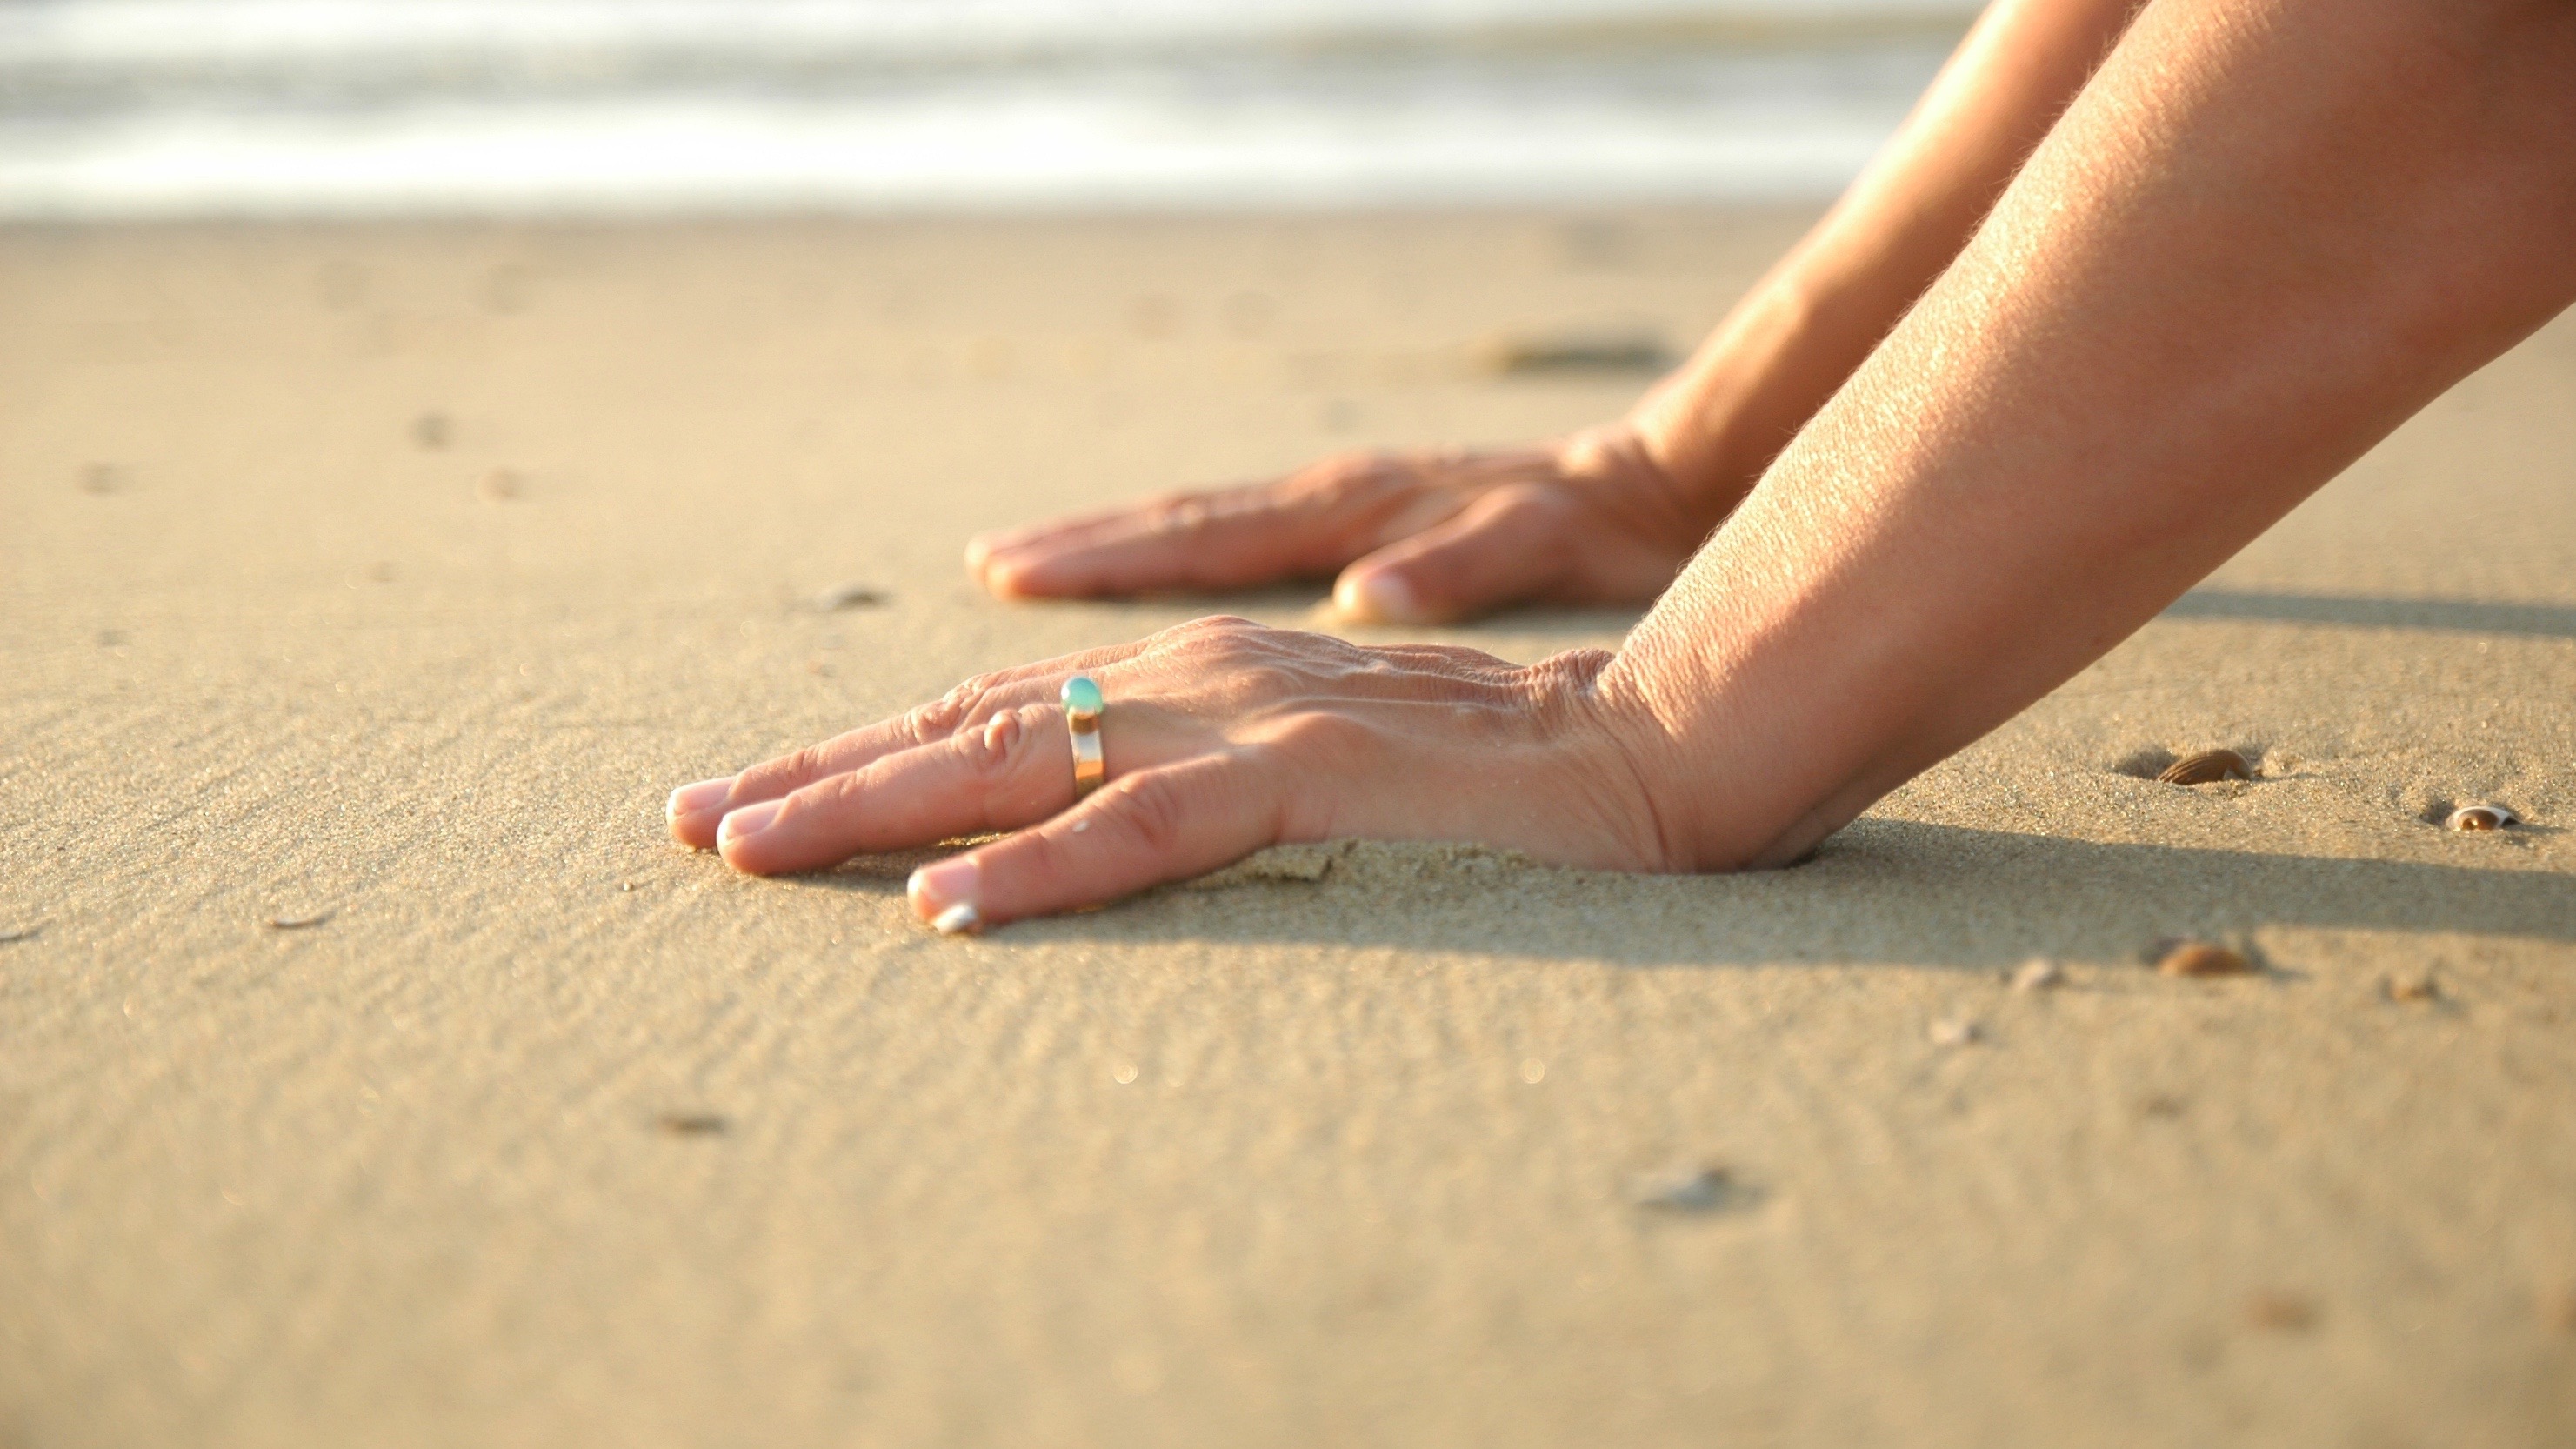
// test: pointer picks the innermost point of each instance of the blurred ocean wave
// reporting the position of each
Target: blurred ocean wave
(335, 107)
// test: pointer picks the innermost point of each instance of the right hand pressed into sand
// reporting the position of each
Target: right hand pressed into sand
(1222, 737)
(1417, 537)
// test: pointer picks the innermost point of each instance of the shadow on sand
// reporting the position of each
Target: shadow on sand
(2546, 621)
(1882, 891)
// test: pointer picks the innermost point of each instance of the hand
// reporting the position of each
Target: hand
(1221, 737)
(1417, 537)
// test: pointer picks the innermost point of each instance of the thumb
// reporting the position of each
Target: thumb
(1506, 546)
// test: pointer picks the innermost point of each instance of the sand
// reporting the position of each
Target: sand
(548, 1132)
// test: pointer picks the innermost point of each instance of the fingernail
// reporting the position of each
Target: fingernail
(1378, 596)
(941, 889)
(982, 564)
(1001, 578)
(690, 799)
(749, 820)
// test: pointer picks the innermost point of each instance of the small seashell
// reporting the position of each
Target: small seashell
(432, 430)
(1691, 1188)
(693, 1124)
(2206, 767)
(2411, 988)
(1955, 1031)
(21, 933)
(298, 923)
(2481, 817)
(500, 485)
(2281, 1312)
(2203, 958)
(2038, 974)
(848, 596)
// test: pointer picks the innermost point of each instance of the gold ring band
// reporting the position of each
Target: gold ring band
(1083, 706)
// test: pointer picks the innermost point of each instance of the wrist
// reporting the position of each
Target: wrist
(1644, 759)
(1659, 501)
(1728, 781)
(1716, 423)
(1663, 791)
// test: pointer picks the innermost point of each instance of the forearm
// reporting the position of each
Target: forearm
(1799, 333)
(2266, 233)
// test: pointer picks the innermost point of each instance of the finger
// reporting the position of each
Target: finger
(1137, 831)
(696, 810)
(1015, 768)
(1203, 541)
(1509, 544)
(981, 548)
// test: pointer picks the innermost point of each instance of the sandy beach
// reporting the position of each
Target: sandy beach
(374, 1070)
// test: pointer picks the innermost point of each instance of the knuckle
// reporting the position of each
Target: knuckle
(1340, 477)
(1530, 501)
(997, 749)
(1221, 634)
(1256, 681)
(1523, 493)
(1185, 514)
(988, 748)
(827, 798)
(1152, 809)
(808, 762)
(1045, 853)
(951, 711)
(838, 791)
(1325, 736)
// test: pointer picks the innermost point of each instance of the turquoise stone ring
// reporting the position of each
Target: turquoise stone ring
(1083, 706)
(1082, 697)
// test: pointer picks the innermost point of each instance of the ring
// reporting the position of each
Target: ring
(1083, 707)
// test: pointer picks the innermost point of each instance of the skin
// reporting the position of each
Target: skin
(2262, 234)
(1611, 514)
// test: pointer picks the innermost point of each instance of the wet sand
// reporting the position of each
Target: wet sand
(381, 581)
